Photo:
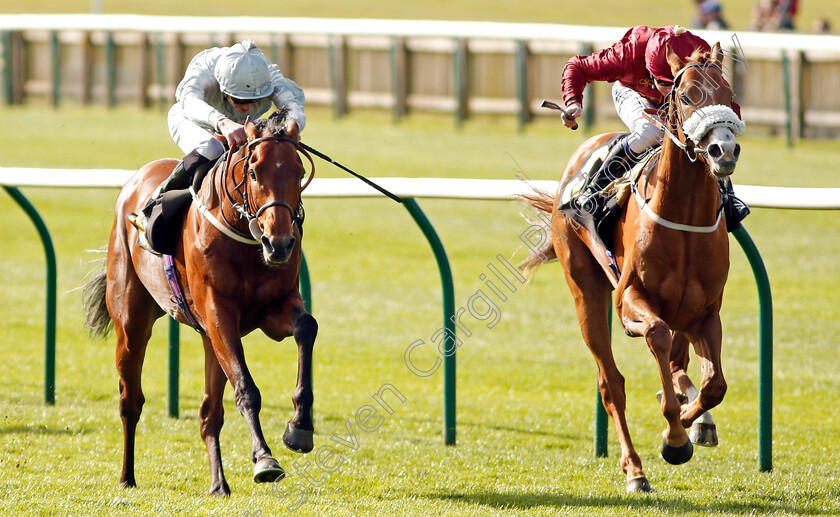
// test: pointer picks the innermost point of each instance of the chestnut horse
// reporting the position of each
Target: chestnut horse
(233, 284)
(672, 251)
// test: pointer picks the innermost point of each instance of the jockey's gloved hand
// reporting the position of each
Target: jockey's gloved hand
(292, 130)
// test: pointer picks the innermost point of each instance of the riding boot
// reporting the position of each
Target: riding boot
(734, 210)
(180, 178)
(619, 160)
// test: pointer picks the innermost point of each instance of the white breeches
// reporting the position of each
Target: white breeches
(630, 106)
(189, 136)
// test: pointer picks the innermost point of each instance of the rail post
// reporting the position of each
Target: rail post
(449, 377)
(765, 362)
(49, 253)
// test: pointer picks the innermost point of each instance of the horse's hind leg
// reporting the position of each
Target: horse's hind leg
(591, 292)
(133, 311)
(640, 320)
(212, 414)
(707, 345)
(703, 431)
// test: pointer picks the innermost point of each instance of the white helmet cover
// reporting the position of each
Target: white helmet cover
(242, 72)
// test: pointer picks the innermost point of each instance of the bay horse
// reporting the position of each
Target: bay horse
(672, 253)
(233, 284)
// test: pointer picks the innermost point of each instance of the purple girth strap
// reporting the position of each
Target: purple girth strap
(177, 293)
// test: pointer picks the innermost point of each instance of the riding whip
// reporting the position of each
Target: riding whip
(555, 106)
(323, 156)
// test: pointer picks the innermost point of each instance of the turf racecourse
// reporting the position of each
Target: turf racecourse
(525, 386)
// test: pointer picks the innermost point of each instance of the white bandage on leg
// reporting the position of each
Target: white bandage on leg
(705, 418)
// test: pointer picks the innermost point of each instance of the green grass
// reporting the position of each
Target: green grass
(525, 387)
(648, 12)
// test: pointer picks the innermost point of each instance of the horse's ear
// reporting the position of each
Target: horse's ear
(674, 60)
(715, 58)
(250, 129)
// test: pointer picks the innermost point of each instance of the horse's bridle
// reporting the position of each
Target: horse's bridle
(245, 207)
(676, 134)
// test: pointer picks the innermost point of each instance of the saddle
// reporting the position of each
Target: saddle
(163, 229)
(597, 233)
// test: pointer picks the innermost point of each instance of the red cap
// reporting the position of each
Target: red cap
(683, 42)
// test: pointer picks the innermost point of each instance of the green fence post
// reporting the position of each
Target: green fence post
(449, 378)
(49, 253)
(398, 78)
(461, 70)
(55, 65)
(521, 76)
(174, 365)
(765, 365)
(111, 69)
(305, 284)
(600, 413)
(160, 65)
(338, 74)
(588, 95)
(788, 107)
(8, 86)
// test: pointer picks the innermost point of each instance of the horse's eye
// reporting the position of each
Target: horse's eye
(685, 99)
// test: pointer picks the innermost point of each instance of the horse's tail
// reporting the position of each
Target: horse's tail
(97, 319)
(542, 202)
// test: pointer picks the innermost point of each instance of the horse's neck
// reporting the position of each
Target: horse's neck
(684, 191)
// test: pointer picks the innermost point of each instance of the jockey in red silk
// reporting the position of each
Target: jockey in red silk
(638, 67)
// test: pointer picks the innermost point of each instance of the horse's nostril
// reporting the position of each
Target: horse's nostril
(737, 152)
(715, 151)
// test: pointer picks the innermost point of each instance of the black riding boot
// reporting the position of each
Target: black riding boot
(619, 160)
(173, 192)
(180, 178)
(734, 210)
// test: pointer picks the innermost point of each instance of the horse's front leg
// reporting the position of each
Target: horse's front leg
(707, 344)
(292, 319)
(224, 335)
(640, 319)
(703, 431)
(212, 414)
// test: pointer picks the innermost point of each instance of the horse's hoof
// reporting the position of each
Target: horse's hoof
(704, 435)
(298, 440)
(220, 490)
(639, 485)
(267, 470)
(677, 455)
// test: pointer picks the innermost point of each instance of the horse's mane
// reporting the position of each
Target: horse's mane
(700, 56)
(274, 123)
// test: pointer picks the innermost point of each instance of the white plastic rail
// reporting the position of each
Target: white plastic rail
(442, 188)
